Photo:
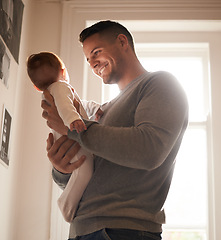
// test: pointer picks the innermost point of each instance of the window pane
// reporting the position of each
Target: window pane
(184, 235)
(186, 204)
(189, 72)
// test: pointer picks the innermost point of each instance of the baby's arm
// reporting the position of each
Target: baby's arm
(78, 125)
(64, 99)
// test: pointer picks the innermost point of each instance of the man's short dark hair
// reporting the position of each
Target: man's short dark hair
(106, 28)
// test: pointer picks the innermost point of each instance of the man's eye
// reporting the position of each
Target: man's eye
(97, 52)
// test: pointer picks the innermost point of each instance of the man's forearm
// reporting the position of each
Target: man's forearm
(142, 147)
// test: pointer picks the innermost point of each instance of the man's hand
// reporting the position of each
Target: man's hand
(61, 152)
(50, 113)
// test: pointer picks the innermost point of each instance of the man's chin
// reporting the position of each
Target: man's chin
(108, 81)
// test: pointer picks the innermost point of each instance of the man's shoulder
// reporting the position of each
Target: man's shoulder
(158, 77)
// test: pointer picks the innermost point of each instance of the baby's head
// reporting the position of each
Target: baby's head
(45, 68)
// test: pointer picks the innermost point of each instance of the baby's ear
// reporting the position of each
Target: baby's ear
(63, 72)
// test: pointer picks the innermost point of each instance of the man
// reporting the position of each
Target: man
(135, 142)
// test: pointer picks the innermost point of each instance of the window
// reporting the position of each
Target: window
(186, 206)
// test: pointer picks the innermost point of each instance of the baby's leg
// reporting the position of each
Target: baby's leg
(69, 199)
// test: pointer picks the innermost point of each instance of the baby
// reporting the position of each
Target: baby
(47, 71)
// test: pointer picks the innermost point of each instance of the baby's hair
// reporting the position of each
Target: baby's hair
(44, 58)
(35, 61)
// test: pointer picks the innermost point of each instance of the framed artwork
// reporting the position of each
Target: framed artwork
(4, 64)
(11, 12)
(5, 136)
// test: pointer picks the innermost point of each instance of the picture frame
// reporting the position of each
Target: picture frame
(5, 137)
(5, 63)
(11, 14)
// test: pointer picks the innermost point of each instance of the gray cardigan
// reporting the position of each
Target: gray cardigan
(135, 146)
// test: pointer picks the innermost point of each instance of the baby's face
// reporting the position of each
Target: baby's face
(44, 76)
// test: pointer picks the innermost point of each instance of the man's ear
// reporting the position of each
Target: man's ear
(123, 40)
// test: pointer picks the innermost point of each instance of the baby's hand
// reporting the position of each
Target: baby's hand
(98, 114)
(78, 125)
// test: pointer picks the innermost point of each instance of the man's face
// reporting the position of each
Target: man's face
(104, 58)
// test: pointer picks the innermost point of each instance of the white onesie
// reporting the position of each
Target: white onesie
(64, 97)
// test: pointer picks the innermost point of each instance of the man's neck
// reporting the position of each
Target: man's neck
(130, 77)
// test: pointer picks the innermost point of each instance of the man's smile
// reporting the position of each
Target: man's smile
(101, 70)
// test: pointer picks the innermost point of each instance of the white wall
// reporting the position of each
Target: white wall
(6, 173)
(25, 187)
